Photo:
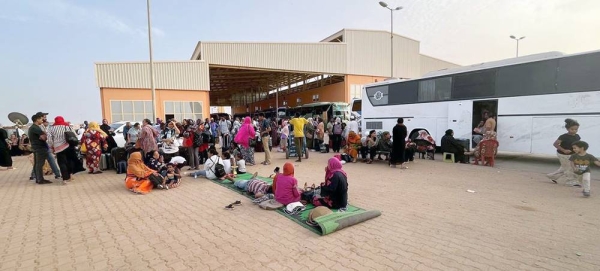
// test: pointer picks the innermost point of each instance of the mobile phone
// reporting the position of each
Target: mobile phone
(276, 170)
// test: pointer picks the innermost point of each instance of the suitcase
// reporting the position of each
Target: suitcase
(103, 165)
(118, 155)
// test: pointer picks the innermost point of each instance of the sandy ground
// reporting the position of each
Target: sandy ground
(516, 220)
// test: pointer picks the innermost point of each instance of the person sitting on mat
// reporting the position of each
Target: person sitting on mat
(286, 186)
(241, 164)
(209, 167)
(334, 191)
(255, 186)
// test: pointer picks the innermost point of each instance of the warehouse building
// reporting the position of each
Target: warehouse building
(253, 76)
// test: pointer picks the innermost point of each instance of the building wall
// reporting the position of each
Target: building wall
(354, 84)
(162, 95)
(307, 57)
(369, 54)
(177, 75)
(331, 93)
(429, 64)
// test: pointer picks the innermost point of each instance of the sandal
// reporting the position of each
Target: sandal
(237, 202)
(229, 207)
(370, 162)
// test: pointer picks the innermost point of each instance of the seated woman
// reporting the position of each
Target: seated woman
(385, 144)
(155, 162)
(489, 135)
(286, 187)
(139, 175)
(334, 191)
(451, 145)
(353, 145)
(369, 146)
(409, 151)
(425, 144)
(210, 168)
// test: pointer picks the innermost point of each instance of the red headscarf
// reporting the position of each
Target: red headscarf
(288, 169)
(60, 121)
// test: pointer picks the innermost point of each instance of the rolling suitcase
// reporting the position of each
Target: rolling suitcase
(103, 165)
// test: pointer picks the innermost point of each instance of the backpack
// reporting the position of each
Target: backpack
(219, 170)
(197, 140)
(121, 167)
(71, 138)
(337, 129)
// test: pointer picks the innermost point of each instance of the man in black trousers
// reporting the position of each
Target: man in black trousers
(37, 139)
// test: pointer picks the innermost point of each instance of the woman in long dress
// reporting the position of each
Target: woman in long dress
(94, 141)
(147, 139)
(243, 137)
(5, 158)
(138, 175)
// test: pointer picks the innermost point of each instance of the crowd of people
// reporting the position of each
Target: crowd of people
(59, 148)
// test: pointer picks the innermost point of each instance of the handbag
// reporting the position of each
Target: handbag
(252, 142)
(219, 170)
(71, 138)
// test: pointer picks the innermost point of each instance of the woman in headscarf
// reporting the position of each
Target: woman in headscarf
(353, 145)
(425, 144)
(155, 161)
(14, 146)
(94, 141)
(5, 158)
(334, 191)
(147, 138)
(65, 153)
(309, 131)
(243, 137)
(285, 186)
(109, 135)
(319, 134)
(138, 175)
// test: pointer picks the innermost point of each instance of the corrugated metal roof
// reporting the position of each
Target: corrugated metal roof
(328, 58)
(180, 75)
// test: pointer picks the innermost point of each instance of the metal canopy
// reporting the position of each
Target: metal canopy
(227, 82)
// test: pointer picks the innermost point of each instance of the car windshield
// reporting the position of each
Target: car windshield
(115, 126)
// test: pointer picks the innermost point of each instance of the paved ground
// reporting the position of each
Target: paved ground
(516, 220)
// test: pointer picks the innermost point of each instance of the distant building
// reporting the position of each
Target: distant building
(245, 75)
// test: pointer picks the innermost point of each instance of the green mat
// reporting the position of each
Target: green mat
(327, 224)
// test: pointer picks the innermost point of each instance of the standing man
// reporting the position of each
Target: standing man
(265, 131)
(353, 125)
(224, 126)
(51, 159)
(399, 134)
(37, 139)
(298, 124)
(126, 131)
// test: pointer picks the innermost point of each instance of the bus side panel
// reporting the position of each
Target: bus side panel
(514, 134)
(547, 129)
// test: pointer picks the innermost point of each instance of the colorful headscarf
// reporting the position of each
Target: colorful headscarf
(135, 166)
(245, 133)
(93, 126)
(424, 135)
(333, 165)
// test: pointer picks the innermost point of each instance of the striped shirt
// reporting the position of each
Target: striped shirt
(56, 137)
(256, 186)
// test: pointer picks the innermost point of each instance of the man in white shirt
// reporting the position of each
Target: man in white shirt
(209, 165)
(353, 125)
(224, 126)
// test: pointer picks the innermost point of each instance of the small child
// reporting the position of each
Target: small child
(228, 162)
(581, 162)
(172, 177)
(241, 164)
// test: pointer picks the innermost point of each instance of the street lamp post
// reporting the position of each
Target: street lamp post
(385, 5)
(515, 38)
(151, 63)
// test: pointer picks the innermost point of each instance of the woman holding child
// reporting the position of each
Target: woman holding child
(138, 175)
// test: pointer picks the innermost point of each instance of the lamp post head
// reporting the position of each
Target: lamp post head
(521, 38)
(398, 8)
(513, 37)
(383, 4)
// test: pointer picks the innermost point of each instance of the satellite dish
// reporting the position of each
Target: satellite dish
(18, 118)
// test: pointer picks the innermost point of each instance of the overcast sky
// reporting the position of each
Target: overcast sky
(48, 47)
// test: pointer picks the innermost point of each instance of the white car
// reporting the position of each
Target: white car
(117, 128)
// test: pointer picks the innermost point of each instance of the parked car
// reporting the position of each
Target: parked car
(117, 128)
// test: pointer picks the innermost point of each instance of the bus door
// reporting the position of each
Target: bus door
(460, 119)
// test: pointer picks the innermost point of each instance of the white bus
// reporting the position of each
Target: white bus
(531, 97)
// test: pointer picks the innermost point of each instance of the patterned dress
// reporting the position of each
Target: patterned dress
(94, 143)
(147, 139)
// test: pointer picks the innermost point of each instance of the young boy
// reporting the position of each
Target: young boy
(172, 177)
(581, 162)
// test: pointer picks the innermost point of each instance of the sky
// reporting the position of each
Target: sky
(48, 47)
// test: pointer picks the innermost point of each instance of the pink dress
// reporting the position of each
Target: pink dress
(287, 190)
